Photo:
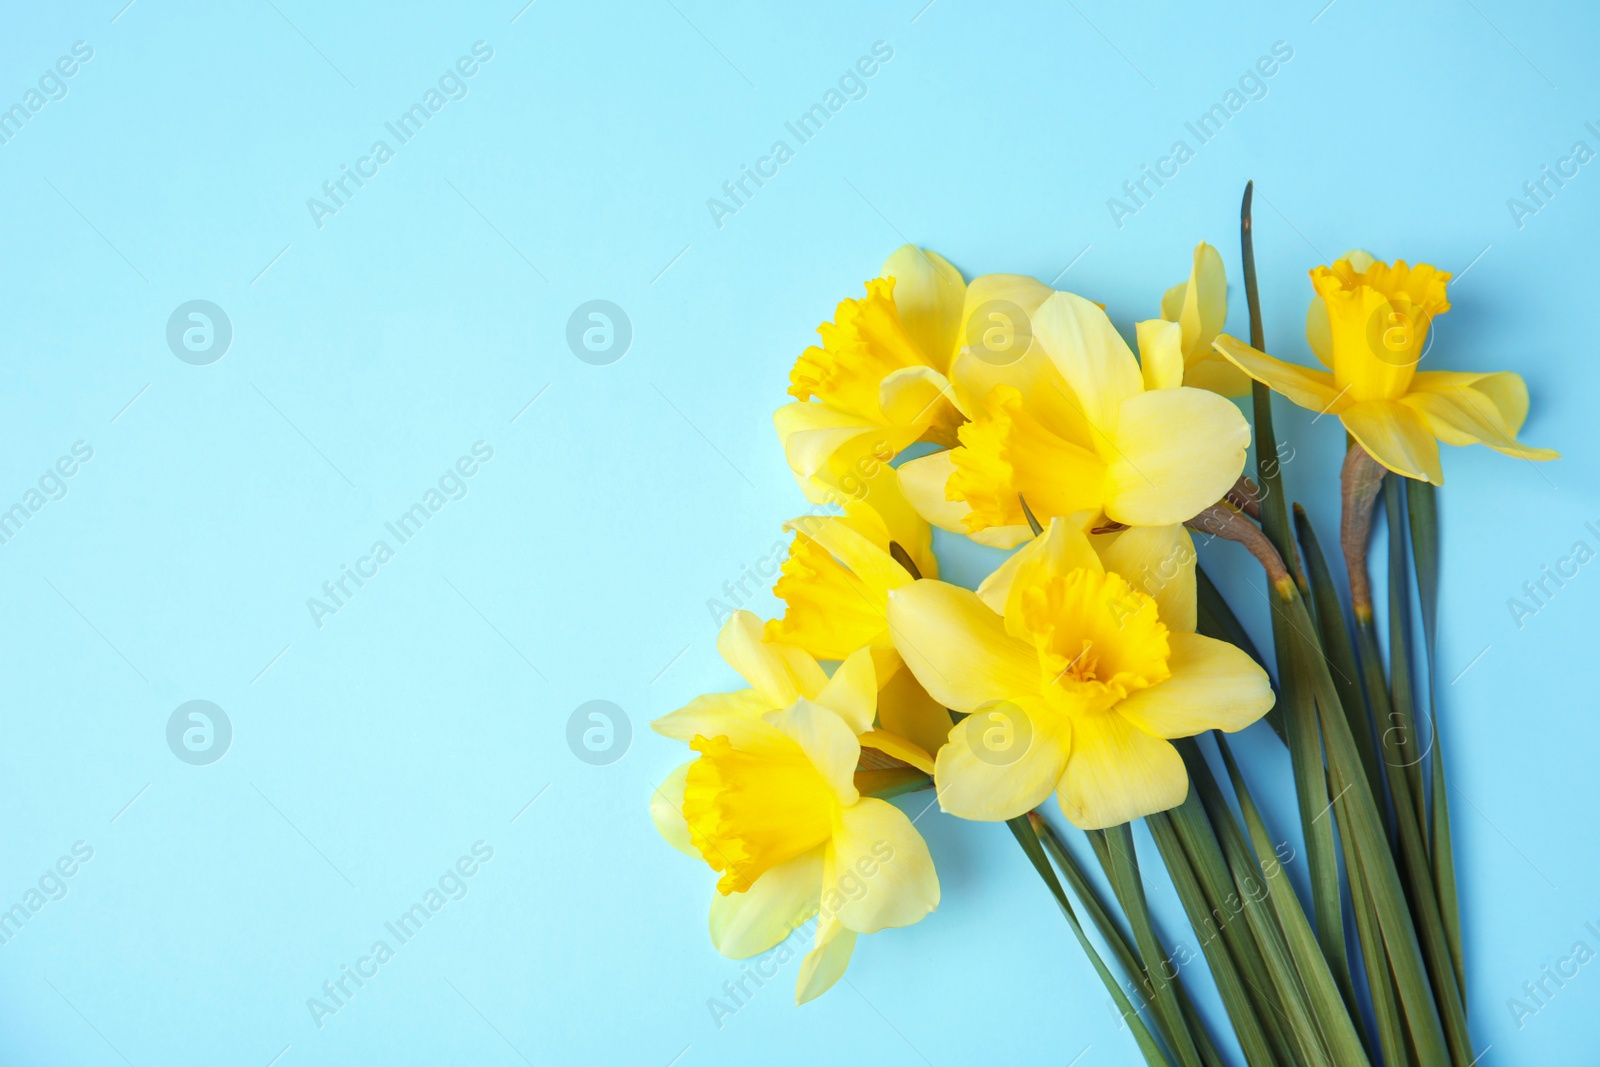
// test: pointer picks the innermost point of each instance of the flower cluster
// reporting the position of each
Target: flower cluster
(1072, 668)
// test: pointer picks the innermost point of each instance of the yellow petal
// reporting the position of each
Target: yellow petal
(1200, 307)
(1214, 686)
(1464, 409)
(1160, 353)
(923, 482)
(852, 692)
(906, 709)
(928, 294)
(920, 402)
(780, 672)
(879, 873)
(1396, 437)
(1174, 454)
(1093, 359)
(1158, 561)
(1002, 761)
(957, 648)
(1312, 389)
(812, 433)
(1118, 773)
(894, 745)
(747, 924)
(997, 344)
(827, 741)
(825, 964)
(666, 811)
(736, 716)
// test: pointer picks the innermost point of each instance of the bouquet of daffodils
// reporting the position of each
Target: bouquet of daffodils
(1098, 662)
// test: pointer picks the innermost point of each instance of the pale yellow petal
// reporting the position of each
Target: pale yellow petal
(879, 873)
(923, 481)
(1096, 363)
(1158, 561)
(1395, 436)
(1311, 389)
(1464, 409)
(852, 692)
(957, 648)
(906, 709)
(920, 402)
(812, 433)
(1160, 353)
(666, 811)
(891, 744)
(1118, 773)
(928, 294)
(1214, 686)
(827, 741)
(747, 924)
(997, 344)
(1175, 452)
(825, 964)
(780, 672)
(736, 716)
(1002, 761)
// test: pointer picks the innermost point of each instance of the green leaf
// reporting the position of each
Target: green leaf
(1029, 840)
(1202, 846)
(1431, 1022)
(1375, 961)
(1122, 867)
(1336, 642)
(1424, 527)
(1113, 934)
(1408, 739)
(1241, 1012)
(1328, 1005)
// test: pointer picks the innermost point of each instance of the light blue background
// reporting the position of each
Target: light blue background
(370, 353)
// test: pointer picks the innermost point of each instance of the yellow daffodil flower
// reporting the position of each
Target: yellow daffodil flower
(1200, 307)
(1074, 679)
(771, 805)
(835, 585)
(1087, 428)
(1368, 324)
(878, 382)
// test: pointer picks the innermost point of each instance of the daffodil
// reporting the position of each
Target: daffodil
(1368, 324)
(1200, 307)
(878, 382)
(771, 804)
(1074, 680)
(835, 585)
(1085, 427)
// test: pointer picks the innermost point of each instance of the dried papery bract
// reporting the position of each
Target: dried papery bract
(1359, 482)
